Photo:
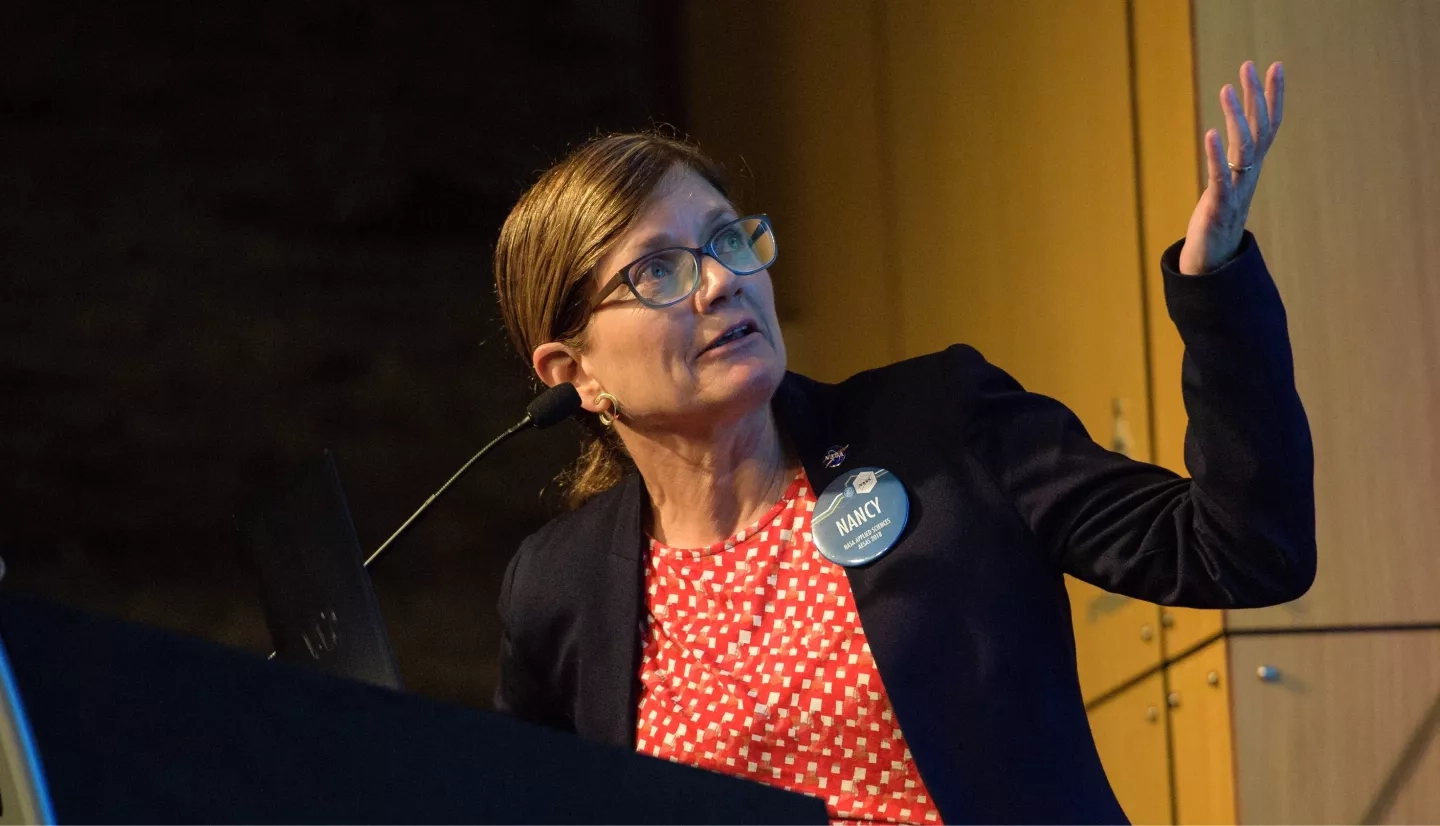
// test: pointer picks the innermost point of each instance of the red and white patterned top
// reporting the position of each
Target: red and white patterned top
(755, 665)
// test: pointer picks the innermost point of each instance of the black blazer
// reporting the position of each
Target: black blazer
(967, 616)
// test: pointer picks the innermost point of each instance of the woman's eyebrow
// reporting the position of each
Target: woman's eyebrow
(664, 240)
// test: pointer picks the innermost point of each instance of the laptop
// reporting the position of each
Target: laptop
(317, 597)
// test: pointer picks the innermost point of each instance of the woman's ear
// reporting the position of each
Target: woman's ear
(557, 363)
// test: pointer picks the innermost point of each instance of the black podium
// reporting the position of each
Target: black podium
(133, 724)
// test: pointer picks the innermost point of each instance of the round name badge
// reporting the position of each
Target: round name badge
(860, 516)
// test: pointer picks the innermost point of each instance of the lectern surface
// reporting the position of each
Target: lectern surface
(134, 724)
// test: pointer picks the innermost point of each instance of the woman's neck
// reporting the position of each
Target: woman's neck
(704, 487)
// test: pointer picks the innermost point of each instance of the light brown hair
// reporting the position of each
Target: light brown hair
(549, 248)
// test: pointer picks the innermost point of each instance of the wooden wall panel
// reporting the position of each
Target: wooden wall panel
(1199, 700)
(1319, 743)
(1129, 731)
(950, 172)
(1347, 216)
(1170, 182)
(1169, 186)
(1010, 132)
(1414, 798)
(1116, 638)
(785, 95)
(1185, 629)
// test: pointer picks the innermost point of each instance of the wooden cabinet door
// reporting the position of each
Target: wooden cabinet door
(1185, 629)
(1129, 731)
(1199, 705)
(1116, 638)
(1346, 729)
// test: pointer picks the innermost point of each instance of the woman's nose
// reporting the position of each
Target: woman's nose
(717, 283)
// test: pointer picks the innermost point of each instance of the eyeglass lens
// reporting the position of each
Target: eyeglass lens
(744, 247)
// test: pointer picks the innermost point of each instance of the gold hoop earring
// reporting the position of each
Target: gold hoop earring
(608, 417)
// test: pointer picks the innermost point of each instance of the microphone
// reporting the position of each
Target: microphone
(553, 406)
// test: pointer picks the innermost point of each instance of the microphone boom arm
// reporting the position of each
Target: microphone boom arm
(519, 426)
(550, 408)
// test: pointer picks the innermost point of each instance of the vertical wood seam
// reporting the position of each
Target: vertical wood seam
(1146, 345)
(890, 287)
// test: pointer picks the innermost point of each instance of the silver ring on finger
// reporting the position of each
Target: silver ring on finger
(1240, 170)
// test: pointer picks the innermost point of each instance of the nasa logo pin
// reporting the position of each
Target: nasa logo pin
(835, 455)
(860, 516)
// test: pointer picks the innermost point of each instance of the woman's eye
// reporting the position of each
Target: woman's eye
(657, 270)
(729, 240)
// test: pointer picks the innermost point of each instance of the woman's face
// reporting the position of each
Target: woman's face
(664, 364)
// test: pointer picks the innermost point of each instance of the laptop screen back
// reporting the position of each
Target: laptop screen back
(318, 600)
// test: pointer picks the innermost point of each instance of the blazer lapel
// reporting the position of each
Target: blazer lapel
(609, 658)
(817, 419)
(804, 409)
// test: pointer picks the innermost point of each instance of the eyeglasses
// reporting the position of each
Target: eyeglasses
(744, 246)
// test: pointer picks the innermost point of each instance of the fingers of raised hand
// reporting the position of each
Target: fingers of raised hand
(1275, 99)
(1237, 128)
(1219, 175)
(1257, 109)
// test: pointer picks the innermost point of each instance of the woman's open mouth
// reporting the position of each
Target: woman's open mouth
(730, 337)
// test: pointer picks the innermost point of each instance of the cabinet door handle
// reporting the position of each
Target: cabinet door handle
(1147, 633)
(1152, 714)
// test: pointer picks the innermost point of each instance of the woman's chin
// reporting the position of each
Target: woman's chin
(741, 382)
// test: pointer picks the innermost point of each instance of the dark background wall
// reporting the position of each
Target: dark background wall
(235, 233)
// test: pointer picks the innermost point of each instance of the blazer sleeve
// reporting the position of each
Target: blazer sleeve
(519, 690)
(1241, 532)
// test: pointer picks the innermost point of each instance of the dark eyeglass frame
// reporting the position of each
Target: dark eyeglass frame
(626, 274)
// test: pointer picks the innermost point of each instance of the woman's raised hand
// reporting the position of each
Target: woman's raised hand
(1218, 222)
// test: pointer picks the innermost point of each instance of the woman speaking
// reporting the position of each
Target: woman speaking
(855, 590)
